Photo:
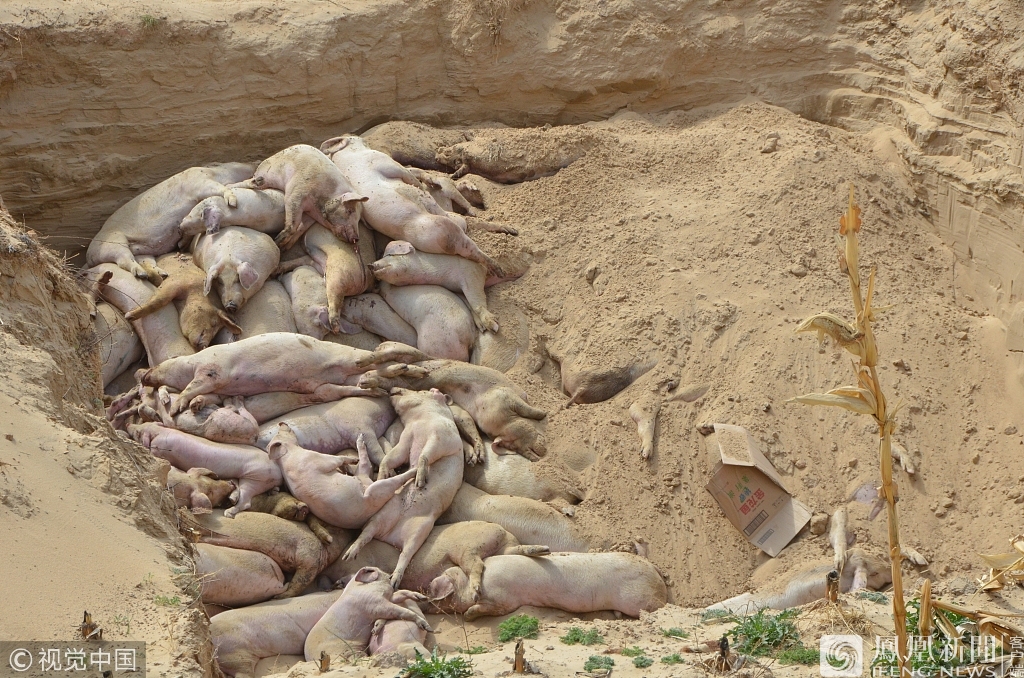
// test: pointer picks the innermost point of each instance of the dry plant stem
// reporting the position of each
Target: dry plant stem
(869, 359)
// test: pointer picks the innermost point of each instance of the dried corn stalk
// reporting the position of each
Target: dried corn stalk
(866, 397)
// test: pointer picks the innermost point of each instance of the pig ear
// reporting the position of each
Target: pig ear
(353, 197)
(334, 144)
(198, 472)
(247, 275)
(448, 399)
(210, 275)
(348, 328)
(397, 247)
(229, 323)
(323, 316)
(367, 575)
(211, 218)
(441, 587)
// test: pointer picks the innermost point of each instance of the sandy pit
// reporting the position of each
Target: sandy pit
(674, 240)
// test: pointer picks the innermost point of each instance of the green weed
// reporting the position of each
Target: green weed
(675, 632)
(519, 626)
(577, 636)
(799, 655)
(673, 658)
(439, 667)
(763, 633)
(642, 662)
(597, 661)
(173, 601)
(634, 651)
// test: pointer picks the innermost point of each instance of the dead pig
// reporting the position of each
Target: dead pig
(574, 582)
(401, 636)
(403, 265)
(200, 318)
(862, 571)
(291, 545)
(465, 545)
(198, 489)
(160, 332)
(345, 271)
(119, 346)
(332, 427)
(497, 405)
(148, 224)
(250, 466)
(398, 206)
(261, 211)
(530, 521)
(237, 261)
(244, 636)
(269, 310)
(429, 433)
(406, 519)
(312, 185)
(367, 601)
(308, 296)
(314, 478)
(236, 577)
(373, 314)
(279, 361)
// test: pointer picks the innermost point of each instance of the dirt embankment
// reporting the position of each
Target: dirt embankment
(86, 526)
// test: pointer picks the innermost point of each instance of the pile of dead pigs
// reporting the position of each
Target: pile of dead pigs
(337, 421)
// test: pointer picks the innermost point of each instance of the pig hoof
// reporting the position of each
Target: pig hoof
(229, 197)
(422, 623)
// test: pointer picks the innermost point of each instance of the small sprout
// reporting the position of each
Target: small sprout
(673, 658)
(173, 601)
(477, 649)
(519, 626)
(125, 621)
(149, 21)
(596, 661)
(642, 662)
(577, 636)
(675, 632)
(634, 651)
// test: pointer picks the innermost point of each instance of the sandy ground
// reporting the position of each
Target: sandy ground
(703, 254)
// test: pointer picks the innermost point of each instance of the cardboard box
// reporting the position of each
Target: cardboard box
(751, 493)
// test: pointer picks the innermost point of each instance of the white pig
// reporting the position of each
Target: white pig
(239, 260)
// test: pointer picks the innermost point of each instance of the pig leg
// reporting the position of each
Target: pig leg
(390, 352)
(485, 609)
(385, 610)
(428, 455)
(415, 532)
(114, 248)
(468, 431)
(530, 550)
(398, 455)
(165, 294)
(294, 225)
(524, 409)
(291, 265)
(247, 489)
(463, 245)
(477, 300)
(205, 381)
(319, 528)
(473, 222)
(154, 273)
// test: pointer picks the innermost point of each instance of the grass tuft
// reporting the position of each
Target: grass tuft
(577, 636)
(799, 654)
(519, 626)
(477, 649)
(634, 651)
(597, 661)
(715, 615)
(167, 602)
(642, 662)
(673, 658)
(675, 632)
(149, 21)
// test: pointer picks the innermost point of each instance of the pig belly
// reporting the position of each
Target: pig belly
(187, 452)
(242, 637)
(312, 432)
(234, 577)
(574, 583)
